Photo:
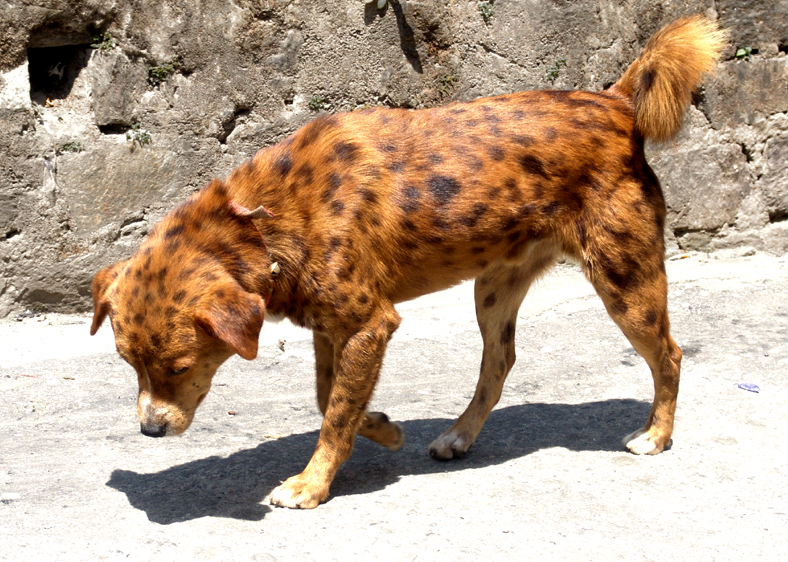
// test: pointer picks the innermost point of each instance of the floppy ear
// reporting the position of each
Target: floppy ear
(234, 318)
(102, 282)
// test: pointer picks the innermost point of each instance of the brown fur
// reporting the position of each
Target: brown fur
(367, 209)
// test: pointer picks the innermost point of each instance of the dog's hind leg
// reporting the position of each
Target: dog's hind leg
(376, 425)
(642, 314)
(499, 292)
(627, 269)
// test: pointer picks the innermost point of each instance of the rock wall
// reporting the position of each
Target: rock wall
(112, 111)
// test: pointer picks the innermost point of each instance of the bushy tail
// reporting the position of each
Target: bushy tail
(663, 77)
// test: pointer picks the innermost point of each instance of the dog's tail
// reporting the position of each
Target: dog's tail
(663, 77)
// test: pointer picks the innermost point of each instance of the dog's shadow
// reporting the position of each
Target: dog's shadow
(235, 486)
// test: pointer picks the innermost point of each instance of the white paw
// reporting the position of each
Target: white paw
(297, 493)
(641, 443)
(450, 445)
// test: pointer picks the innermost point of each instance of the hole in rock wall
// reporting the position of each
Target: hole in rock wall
(54, 69)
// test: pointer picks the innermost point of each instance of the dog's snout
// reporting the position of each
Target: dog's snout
(153, 430)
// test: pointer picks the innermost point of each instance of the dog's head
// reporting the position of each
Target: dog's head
(184, 303)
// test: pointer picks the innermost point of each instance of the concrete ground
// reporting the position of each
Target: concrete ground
(548, 478)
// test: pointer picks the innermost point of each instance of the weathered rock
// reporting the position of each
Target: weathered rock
(774, 182)
(114, 183)
(705, 181)
(215, 82)
(742, 91)
(755, 23)
(116, 85)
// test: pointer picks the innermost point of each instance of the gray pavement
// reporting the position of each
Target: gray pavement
(548, 478)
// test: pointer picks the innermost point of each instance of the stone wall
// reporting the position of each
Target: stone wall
(208, 83)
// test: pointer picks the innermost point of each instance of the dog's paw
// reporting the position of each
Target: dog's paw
(449, 445)
(298, 492)
(641, 442)
(379, 429)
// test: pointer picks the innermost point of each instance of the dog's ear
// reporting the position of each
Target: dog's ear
(103, 281)
(233, 316)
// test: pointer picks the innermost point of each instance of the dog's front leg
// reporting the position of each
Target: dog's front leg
(357, 362)
(376, 425)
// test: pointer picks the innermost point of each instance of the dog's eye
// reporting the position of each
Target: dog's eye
(175, 371)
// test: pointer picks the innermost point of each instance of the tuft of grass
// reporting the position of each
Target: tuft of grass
(104, 42)
(447, 82)
(139, 135)
(485, 8)
(70, 147)
(553, 71)
(744, 53)
(161, 72)
(316, 102)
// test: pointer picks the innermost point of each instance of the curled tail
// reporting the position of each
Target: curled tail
(663, 77)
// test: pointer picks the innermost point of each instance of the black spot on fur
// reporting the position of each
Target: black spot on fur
(346, 151)
(624, 275)
(440, 223)
(651, 318)
(396, 166)
(408, 224)
(369, 196)
(411, 202)
(523, 140)
(476, 213)
(435, 158)
(619, 307)
(305, 174)
(432, 239)
(476, 163)
(284, 164)
(173, 231)
(647, 80)
(314, 130)
(337, 207)
(334, 181)
(496, 153)
(489, 300)
(443, 188)
(532, 165)
(551, 208)
(623, 237)
(579, 102)
(507, 334)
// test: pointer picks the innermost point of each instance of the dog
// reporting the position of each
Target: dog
(356, 212)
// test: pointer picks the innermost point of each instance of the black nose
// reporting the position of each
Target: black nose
(153, 430)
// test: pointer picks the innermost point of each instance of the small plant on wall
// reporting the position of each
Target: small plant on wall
(139, 135)
(104, 42)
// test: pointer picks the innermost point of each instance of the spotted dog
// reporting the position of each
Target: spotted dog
(356, 212)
